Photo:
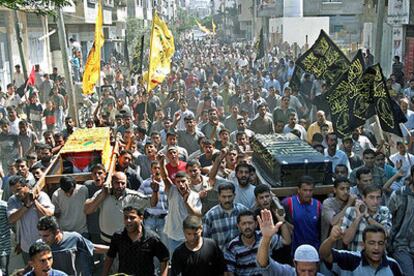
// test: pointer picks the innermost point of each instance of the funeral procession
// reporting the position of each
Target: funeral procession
(207, 137)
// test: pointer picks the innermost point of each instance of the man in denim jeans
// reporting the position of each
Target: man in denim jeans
(154, 217)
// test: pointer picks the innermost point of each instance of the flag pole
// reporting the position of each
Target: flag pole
(149, 63)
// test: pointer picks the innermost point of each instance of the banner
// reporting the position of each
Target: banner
(161, 51)
(360, 94)
(260, 46)
(93, 64)
(324, 60)
(203, 28)
(295, 81)
(213, 26)
(348, 100)
(126, 52)
(136, 65)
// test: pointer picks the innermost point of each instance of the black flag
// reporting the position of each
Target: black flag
(295, 81)
(260, 46)
(360, 94)
(126, 52)
(136, 68)
(346, 99)
(324, 60)
(389, 112)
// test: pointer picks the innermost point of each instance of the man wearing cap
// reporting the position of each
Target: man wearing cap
(306, 258)
(189, 137)
(174, 164)
(372, 260)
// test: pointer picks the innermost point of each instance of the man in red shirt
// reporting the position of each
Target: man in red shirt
(175, 165)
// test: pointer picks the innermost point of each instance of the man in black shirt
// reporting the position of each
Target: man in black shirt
(197, 255)
(136, 247)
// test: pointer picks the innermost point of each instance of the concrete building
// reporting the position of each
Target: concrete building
(35, 44)
(199, 8)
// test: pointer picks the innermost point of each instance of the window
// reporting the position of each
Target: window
(239, 8)
(337, 28)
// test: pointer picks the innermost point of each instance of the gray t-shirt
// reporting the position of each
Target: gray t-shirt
(27, 224)
(72, 217)
(245, 195)
(189, 141)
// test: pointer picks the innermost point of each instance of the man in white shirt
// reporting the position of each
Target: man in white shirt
(402, 156)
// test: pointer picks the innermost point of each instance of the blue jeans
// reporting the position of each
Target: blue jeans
(157, 225)
(4, 264)
(406, 261)
(172, 245)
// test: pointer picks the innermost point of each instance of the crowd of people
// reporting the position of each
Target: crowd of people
(185, 198)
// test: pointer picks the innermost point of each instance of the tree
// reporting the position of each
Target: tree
(38, 6)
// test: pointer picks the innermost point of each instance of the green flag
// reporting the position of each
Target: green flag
(260, 46)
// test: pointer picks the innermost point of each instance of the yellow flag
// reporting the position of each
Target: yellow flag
(213, 25)
(203, 28)
(161, 51)
(93, 63)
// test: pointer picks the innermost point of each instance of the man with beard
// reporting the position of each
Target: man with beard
(136, 246)
(23, 170)
(304, 212)
(220, 221)
(125, 165)
(262, 124)
(110, 203)
(41, 261)
(197, 255)
(44, 154)
(24, 208)
(182, 201)
(240, 253)
(244, 191)
(372, 260)
(70, 127)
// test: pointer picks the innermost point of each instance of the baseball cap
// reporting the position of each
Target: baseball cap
(172, 148)
(306, 253)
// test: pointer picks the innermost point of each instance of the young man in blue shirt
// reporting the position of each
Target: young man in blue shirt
(41, 261)
(304, 212)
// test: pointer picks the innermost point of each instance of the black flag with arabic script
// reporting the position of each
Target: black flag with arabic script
(389, 112)
(324, 60)
(345, 99)
(260, 46)
(360, 94)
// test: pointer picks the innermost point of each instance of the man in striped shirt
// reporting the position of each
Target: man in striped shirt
(5, 243)
(220, 221)
(240, 253)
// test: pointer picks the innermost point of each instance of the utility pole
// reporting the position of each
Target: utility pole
(380, 27)
(73, 109)
(20, 44)
(254, 21)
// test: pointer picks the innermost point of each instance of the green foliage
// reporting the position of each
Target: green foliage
(38, 6)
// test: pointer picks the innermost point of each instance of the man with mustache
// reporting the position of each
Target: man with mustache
(220, 221)
(240, 253)
(110, 203)
(244, 193)
(371, 260)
